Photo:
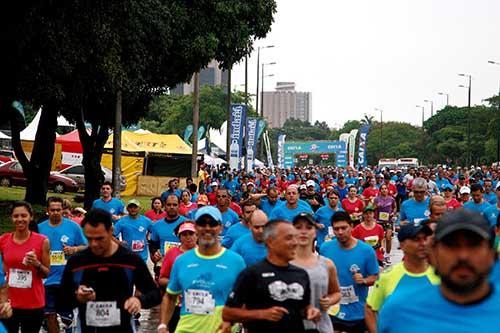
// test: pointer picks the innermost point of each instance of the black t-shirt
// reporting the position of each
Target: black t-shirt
(113, 279)
(265, 285)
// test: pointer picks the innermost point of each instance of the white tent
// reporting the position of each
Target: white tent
(29, 133)
(213, 160)
(4, 136)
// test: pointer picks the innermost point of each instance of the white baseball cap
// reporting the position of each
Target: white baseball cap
(464, 190)
(310, 183)
(302, 187)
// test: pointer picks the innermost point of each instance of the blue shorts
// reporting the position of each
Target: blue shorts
(51, 294)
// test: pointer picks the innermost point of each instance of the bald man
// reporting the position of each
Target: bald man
(251, 246)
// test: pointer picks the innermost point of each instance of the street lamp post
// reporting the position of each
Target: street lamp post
(258, 73)
(381, 131)
(447, 97)
(423, 114)
(468, 116)
(262, 97)
(498, 113)
(432, 106)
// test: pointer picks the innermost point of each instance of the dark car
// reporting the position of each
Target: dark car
(11, 174)
(77, 173)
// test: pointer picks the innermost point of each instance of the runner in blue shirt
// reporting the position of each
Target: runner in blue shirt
(491, 213)
(229, 216)
(134, 229)
(66, 238)
(291, 208)
(489, 195)
(240, 229)
(415, 209)
(324, 218)
(251, 246)
(269, 202)
(112, 205)
(357, 269)
(465, 301)
(172, 189)
(477, 203)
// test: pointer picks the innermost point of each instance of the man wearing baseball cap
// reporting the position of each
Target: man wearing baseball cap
(312, 196)
(204, 277)
(462, 255)
(133, 229)
(413, 272)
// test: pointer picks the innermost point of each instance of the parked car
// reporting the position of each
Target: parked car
(7, 155)
(11, 174)
(77, 173)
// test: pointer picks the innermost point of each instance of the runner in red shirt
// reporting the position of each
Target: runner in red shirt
(353, 205)
(156, 212)
(26, 262)
(393, 191)
(370, 192)
(370, 232)
(451, 202)
(186, 205)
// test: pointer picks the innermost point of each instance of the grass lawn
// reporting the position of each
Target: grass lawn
(10, 194)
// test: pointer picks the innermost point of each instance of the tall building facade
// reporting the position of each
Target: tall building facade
(286, 103)
(211, 75)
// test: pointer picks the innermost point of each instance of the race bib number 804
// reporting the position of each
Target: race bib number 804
(102, 314)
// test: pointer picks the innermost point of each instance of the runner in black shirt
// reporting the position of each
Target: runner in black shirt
(100, 281)
(272, 295)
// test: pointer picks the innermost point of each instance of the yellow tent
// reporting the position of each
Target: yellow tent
(150, 154)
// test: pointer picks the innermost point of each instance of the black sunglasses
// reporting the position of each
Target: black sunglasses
(203, 221)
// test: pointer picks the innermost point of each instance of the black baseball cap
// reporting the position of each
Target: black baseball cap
(463, 219)
(304, 217)
(411, 230)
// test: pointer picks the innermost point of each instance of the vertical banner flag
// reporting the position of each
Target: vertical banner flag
(251, 141)
(270, 163)
(363, 140)
(261, 124)
(352, 146)
(281, 150)
(187, 133)
(236, 123)
(208, 147)
(201, 131)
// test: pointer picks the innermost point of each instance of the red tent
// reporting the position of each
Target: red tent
(71, 148)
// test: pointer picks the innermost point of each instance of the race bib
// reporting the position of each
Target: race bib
(348, 295)
(330, 232)
(199, 302)
(57, 258)
(382, 216)
(19, 278)
(371, 240)
(102, 314)
(137, 245)
(168, 245)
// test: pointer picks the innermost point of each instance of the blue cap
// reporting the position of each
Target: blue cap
(412, 229)
(211, 211)
(447, 186)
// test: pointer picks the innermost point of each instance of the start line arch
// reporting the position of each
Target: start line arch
(339, 148)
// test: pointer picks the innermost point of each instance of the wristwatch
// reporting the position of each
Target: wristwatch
(161, 326)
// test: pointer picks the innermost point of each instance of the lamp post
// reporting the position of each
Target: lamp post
(432, 106)
(498, 113)
(381, 131)
(423, 114)
(258, 73)
(262, 97)
(468, 116)
(447, 97)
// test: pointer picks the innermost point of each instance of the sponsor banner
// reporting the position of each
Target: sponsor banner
(270, 163)
(339, 148)
(281, 150)
(363, 140)
(236, 123)
(352, 146)
(251, 141)
(261, 125)
(201, 131)
(187, 133)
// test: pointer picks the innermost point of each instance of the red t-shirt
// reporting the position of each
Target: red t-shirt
(26, 295)
(237, 209)
(353, 207)
(370, 193)
(371, 237)
(211, 198)
(168, 261)
(184, 210)
(453, 204)
(153, 216)
(392, 189)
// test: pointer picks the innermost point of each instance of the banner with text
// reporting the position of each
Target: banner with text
(352, 146)
(281, 150)
(251, 141)
(363, 140)
(236, 122)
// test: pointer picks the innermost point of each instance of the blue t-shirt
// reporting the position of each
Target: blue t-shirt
(229, 217)
(360, 259)
(114, 206)
(491, 214)
(351, 180)
(266, 206)
(251, 251)
(491, 198)
(163, 232)
(477, 207)
(233, 233)
(166, 193)
(441, 183)
(324, 216)
(134, 232)
(231, 185)
(342, 191)
(414, 211)
(282, 212)
(66, 233)
(426, 310)
(210, 279)
(495, 274)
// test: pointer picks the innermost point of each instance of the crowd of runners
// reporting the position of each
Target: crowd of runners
(285, 250)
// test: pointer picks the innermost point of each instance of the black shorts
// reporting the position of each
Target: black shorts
(386, 225)
(349, 326)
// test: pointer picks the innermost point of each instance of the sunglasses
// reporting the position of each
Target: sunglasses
(418, 192)
(204, 221)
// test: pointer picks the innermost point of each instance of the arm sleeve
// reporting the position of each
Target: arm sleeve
(242, 289)
(150, 294)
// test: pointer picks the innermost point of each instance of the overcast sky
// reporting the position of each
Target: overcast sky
(358, 55)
